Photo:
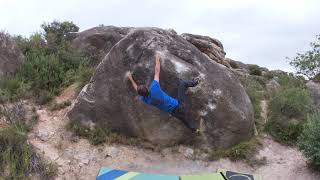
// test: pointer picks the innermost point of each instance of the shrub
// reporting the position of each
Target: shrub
(17, 158)
(100, 135)
(242, 151)
(287, 113)
(84, 75)
(255, 70)
(255, 89)
(51, 63)
(291, 81)
(308, 141)
(58, 106)
(12, 88)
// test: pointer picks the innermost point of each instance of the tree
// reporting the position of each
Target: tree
(56, 33)
(308, 63)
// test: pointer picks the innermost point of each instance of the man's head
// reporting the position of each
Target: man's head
(142, 90)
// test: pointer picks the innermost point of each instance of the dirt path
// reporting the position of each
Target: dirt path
(77, 159)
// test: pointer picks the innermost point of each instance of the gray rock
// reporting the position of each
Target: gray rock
(98, 41)
(238, 65)
(272, 87)
(314, 90)
(10, 55)
(112, 151)
(219, 105)
(187, 152)
(209, 46)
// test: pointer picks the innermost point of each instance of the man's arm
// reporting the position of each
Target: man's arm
(157, 68)
(134, 84)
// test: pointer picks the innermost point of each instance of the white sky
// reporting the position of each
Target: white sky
(253, 31)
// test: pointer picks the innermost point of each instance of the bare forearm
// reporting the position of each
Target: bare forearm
(134, 84)
(157, 68)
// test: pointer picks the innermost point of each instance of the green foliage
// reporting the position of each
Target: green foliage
(287, 113)
(51, 63)
(255, 70)
(58, 106)
(11, 88)
(84, 75)
(308, 141)
(17, 158)
(291, 81)
(241, 151)
(99, 135)
(255, 86)
(308, 63)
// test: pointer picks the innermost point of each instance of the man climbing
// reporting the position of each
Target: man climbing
(158, 98)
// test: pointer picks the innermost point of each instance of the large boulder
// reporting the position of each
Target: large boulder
(10, 55)
(98, 41)
(219, 105)
(314, 90)
(209, 46)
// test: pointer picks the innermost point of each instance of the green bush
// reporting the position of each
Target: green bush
(255, 88)
(255, 70)
(308, 141)
(287, 113)
(291, 81)
(12, 88)
(51, 63)
(17, 158)
(241, 151)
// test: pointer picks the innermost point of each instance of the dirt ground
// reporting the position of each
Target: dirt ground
(78, 159)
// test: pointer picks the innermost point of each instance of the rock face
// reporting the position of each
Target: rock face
(219, 105)
(10, 55)
(99, 40)
(209, 46)
(314, 89)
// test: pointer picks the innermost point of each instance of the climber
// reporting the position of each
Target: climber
(158, 98)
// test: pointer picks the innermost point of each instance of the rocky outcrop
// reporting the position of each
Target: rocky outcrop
(10, 55)
(272, 87)
(314, 90)
(98, 41)
(219, 105)
(209, 46)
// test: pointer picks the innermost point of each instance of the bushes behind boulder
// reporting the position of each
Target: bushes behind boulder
(288, 111)
(51, 64)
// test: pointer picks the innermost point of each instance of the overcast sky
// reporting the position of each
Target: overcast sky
(252, 31)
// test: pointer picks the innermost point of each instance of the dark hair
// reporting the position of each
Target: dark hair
(142, 90)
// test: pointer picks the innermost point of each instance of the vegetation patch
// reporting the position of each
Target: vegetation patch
(98, 135)
(243, 151)
(51, 64)
(17, 157)
(255, 70)
(58, 106)
(288, 110)
(255, 88)
(308, 141)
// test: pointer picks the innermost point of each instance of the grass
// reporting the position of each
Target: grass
(99, 135)
(255, 88)
(288, 110)
(58, 106)
(18, 160)
(242, 151)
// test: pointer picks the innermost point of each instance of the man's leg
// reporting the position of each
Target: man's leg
(180, 112)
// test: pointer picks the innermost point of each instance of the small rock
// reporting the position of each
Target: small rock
(44, 135)
(112, 152)
(187, 152)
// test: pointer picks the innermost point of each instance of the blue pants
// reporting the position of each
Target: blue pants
(180, 111)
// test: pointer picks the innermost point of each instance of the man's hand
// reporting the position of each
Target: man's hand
(128, 75)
